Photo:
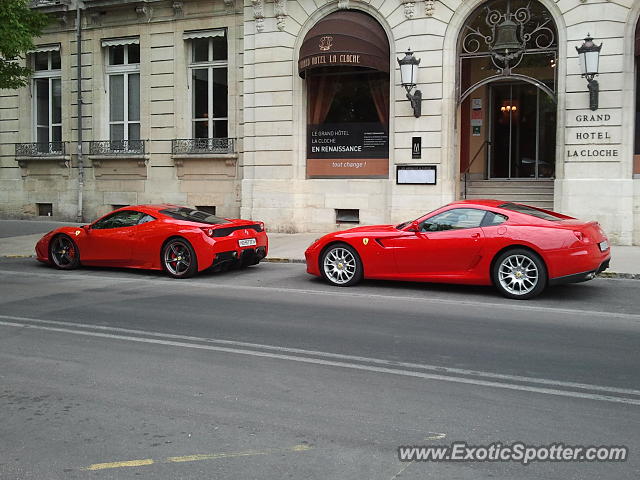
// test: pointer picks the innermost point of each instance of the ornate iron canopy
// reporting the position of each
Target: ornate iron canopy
(507, 32)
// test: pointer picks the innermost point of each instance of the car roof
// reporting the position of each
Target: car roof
(482, 202)
(150, 208)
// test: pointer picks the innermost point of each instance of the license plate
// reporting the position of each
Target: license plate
(247, 242)
(603, 246)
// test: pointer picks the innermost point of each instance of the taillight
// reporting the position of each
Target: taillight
(260, 226)
(208, 231)
(581, 236)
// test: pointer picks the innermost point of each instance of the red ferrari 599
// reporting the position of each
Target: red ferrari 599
(518, 248)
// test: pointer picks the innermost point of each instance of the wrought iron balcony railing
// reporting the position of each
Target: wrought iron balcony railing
(47, 149)
(182, 146)
(117, 147)
(49, 3)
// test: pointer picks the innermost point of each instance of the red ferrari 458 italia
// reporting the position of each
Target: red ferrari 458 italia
(180, 240)
(518, 248)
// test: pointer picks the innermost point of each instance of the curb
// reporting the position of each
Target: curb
(628, 276)
(283, 260)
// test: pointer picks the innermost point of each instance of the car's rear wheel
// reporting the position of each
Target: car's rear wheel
(64, 253)
(179, 259)
(341, 265)
(519, 274)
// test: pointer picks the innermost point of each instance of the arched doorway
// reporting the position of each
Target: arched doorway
(507, 83)
(344, 60)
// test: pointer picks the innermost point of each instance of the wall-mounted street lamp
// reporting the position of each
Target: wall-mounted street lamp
(409, 79)
(589, 54)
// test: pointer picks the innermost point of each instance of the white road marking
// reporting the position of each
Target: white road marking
(333, 292)
(335, 360)
(334, 356)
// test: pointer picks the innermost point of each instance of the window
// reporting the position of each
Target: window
(534, 212)
(146, 218)
(209, 91)
(207, 209)
(455, 219)
(191, 215)
(47, 99)
(347, 215)
(492, 219)
(123, 84)
(123, 218)
(45, 209)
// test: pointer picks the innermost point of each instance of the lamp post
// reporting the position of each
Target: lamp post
(589, 54)
(409, 79)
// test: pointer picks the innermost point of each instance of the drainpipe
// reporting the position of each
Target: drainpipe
(79, 100)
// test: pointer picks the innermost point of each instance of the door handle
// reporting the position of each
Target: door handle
(475, 236)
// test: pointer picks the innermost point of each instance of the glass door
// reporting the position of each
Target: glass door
(523, 132)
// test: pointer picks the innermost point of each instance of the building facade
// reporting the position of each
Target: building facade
(293, 111)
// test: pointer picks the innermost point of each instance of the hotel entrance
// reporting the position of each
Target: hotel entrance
(507, 81)
(521, 133)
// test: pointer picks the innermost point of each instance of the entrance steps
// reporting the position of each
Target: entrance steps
(537, 193)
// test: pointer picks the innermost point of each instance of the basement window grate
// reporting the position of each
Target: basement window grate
(210, 209)
(347, 215)
(45, 209)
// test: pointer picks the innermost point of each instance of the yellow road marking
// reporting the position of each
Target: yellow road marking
(129, 463)
(248, 453)
(198, 457)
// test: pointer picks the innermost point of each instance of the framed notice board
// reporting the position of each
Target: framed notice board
(416, 174)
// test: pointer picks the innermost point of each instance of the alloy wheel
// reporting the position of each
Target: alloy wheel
(177, 258)
(63, 252)
(340, 265)
(518, 274)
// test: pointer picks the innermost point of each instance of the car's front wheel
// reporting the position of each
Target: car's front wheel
(179, 259)
(519, 274)
(341, 265)
(64, 253)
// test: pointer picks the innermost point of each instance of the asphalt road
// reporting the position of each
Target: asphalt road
(14, 228)
(269, 373)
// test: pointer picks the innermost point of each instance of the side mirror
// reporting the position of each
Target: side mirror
(414, 227)
(86, 228)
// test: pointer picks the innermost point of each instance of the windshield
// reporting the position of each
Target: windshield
(534, 212)
(192, 215)
(402, 225)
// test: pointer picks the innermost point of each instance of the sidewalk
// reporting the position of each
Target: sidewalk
(18, 239)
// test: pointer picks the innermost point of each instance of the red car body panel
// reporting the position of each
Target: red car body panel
(139, 246)
(466, 255)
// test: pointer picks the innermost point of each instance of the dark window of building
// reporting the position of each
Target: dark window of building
(124, 92)
(117, 206)
(47, 108)
(211, 209)
(347, 215)
(209, 86)
(45, 209)
(351, 97)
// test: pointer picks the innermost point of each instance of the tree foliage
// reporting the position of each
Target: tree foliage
(18, 26)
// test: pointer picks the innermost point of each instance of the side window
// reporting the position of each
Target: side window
(125, 218)
(492, 219)
(146, 218)
(455, 219)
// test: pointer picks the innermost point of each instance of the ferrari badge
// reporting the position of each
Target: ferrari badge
(77, 232)
(365, 240)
